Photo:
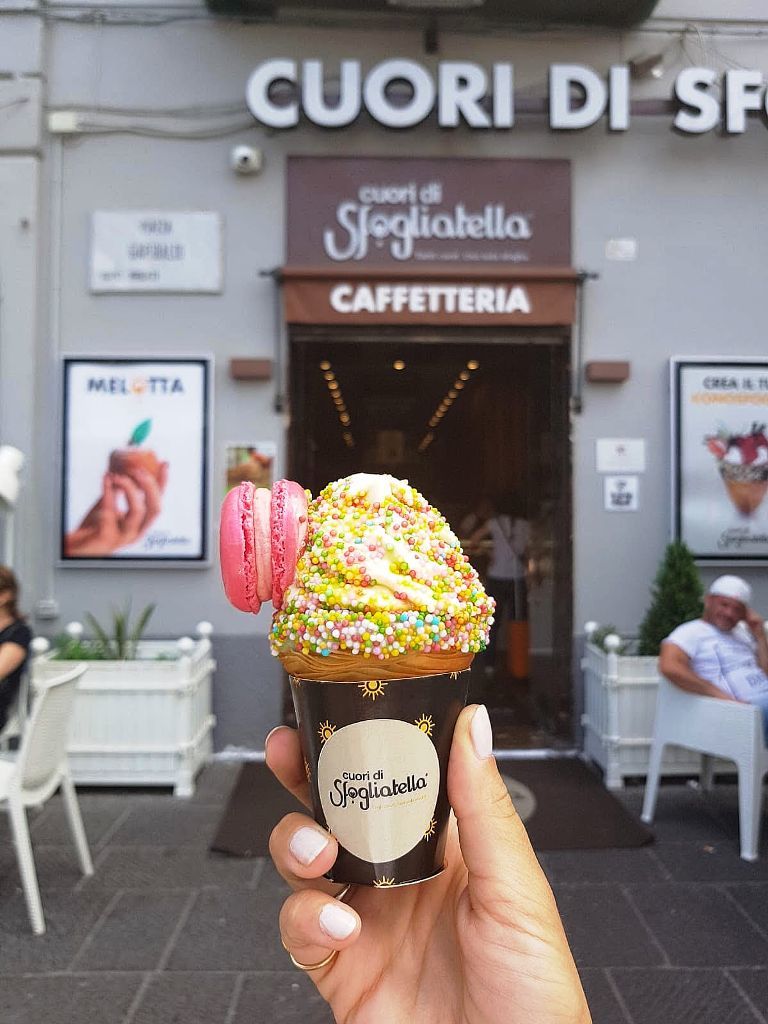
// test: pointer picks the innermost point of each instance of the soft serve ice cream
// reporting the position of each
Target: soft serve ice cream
(743, 464)
(382, 582)
(378, 616)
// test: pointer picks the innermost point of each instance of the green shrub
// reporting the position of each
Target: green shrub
(676, 597)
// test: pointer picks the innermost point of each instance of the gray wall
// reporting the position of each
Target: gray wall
(697, 207)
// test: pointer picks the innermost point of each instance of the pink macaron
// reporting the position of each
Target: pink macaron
(244, 547)
(261, 536)
(289, 521)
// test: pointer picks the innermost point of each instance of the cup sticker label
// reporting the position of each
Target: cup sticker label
(378, 783)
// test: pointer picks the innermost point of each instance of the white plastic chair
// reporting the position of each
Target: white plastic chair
(716, 728)
(17, 717)
(35, 774)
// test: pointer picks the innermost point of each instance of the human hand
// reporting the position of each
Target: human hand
(106, 527)
(755, 623)
(481, 943)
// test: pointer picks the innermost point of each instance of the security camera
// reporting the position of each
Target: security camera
(245, 160)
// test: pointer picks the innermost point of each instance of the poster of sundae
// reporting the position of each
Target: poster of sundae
(720, 421)
(134, 482)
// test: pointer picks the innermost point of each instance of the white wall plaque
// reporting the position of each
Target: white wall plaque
(620, 455)
(621, 493)
(621, 249)
(156, 251)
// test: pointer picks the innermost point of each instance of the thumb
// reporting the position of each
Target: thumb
(497, 852)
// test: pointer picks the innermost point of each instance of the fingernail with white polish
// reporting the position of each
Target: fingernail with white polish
(269, 735)
(336, 921)
(306, 844)
(480, 731)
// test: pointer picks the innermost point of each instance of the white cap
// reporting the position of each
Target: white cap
(732, 586)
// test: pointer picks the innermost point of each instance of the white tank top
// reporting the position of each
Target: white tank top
(510, 539)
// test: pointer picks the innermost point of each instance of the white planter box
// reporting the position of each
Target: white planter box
(144, 722)
(619, 710)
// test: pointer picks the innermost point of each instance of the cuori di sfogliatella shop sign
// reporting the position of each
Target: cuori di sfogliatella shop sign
(400, 93)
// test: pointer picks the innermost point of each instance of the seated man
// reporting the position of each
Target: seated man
(724, 653)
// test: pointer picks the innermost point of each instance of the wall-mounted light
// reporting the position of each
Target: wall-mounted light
(11, 462)
(398, 364)
(651, 66)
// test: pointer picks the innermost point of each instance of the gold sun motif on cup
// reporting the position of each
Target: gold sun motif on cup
(425, 724)
(431, 829)
(372, 688)
(382, 883)
(325, 731)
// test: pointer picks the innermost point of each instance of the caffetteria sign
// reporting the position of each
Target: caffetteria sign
(462, 92)
(465, 242)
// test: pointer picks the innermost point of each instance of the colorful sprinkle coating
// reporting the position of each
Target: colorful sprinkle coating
(382, 575)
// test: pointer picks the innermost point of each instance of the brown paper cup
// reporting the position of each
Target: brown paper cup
(376, 757)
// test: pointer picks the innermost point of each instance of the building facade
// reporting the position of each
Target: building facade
(655, 244)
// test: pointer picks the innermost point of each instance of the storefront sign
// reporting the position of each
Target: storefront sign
(720, 458)
(134, 474)
(401, 93)
(346, 211)
(153, 251)
(463, 298)
(429, 241)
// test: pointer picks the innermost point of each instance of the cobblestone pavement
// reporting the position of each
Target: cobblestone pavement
(167, 932)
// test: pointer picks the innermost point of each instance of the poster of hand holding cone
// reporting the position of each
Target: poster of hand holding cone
(134, 473)
(720, 451)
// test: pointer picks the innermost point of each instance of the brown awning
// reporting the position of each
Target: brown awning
(431, 294)
(488, 16)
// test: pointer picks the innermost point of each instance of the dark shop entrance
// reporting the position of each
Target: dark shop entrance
(477, 420)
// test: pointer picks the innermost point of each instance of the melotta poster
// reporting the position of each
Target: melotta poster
(720, 434)
(135, 466)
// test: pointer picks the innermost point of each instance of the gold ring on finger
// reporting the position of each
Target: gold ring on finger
(311, 967)
(331, 956)
(340, 895)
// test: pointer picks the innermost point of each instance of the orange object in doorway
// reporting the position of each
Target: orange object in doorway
(517, 649)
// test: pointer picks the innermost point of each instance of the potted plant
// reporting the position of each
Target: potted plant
(143, 709)
(621, 676)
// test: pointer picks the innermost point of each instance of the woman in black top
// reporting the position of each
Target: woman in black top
(15, 637)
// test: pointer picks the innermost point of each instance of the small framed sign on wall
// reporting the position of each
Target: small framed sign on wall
(134, 480)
